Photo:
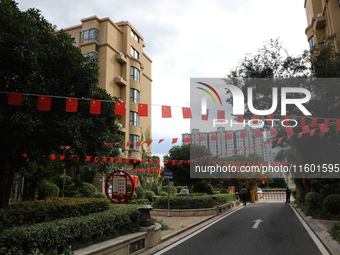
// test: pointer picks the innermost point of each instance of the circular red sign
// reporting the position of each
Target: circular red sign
(119, 187)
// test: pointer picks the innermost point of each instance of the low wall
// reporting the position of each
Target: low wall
(195, 212)
(135, 243)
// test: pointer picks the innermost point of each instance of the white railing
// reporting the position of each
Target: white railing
(275, 196)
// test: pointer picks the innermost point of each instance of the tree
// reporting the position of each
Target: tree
(181, 172)
(37, 60)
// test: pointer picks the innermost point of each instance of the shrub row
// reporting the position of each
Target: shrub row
(51, 209)
(56, 237)
(194, 202)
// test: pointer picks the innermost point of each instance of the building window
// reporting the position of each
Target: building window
(134, 53)
(134, 73)
(90, 35)
(92, 54)
(134, 139)
(311, 42)
(134, 119)
(134, 96)
(134, 36)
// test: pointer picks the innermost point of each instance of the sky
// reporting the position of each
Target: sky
(188, 39)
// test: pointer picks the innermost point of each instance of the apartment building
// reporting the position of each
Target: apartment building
(125, 71)
(241, 142)
(323, 19)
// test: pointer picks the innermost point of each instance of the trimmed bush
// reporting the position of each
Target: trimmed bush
(140, 192)
(179, 188)
(203, 187)
(87, 189)
(149, 195)
(191, 202)
(47, 189)
(313, 200)
(56, 237)
(332, 203)
(142, 201)
(47, 210)
(334, 231)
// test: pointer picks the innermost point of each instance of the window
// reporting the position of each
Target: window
(91, 54)
(134, 119)
(134, 53)
(134, 96)
(311, 43)
(134, 73)
(134, 36)
(90, 35)
(134, 139)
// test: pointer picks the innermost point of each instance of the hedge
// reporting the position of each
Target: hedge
(194, 202)
(58, 236)
(51, 209)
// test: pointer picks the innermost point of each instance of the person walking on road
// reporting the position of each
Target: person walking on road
(288, 192)
(244, 193)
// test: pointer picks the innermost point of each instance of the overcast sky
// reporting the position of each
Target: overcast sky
(188, 39)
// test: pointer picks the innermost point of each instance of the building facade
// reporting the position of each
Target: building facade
(323, 19)
(240, 142)
(125, 71)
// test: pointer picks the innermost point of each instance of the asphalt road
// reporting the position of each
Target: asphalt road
(279, 232)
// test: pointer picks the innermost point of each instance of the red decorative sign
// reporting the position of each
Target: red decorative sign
(119, 187)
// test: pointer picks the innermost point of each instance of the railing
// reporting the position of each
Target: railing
(276, 196)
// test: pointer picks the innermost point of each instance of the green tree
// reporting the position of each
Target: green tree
(37, 60)
(181, 172)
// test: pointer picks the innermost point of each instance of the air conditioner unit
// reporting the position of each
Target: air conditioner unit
(320, 15)
(119, 53)
(119, 77)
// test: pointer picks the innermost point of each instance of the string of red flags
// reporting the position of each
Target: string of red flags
(44, 103)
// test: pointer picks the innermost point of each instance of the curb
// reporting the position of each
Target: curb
(185, 229)
(332, 246)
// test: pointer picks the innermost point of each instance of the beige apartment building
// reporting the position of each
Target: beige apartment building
(323, 19)
(125, 71)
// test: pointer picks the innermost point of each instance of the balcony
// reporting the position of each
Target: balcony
(320, 21)
(121, 58)
(120, 81)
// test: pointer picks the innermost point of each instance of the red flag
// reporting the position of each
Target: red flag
(149, 142)
(71, 105)
(166, 111)
(214, 137)
(143, 110)
(186, 113)
(128, 144)
(255, 119)
(95, 106)
(160, 140)
(314, 121)
(305, 129)
(205, 116)
(240, 118)
(187, 139)
(279, 140)
(200, 138)
(300, 134)
(270, 117)
(326, 123)
(243, 134)
(44, 103)
(253, 146)
(138, 143)
(258, 133)
(323, 128)
(120, 108)
(289, 131)
(174, 140)
(220, 114)
(303, 121)
(338, 125)
(286, 121)
(120, 160)
(273, 132)
(14, 98)
(229, 136)
(288, 138)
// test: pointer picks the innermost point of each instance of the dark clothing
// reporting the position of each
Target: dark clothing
(244, 195)
(288, 192)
